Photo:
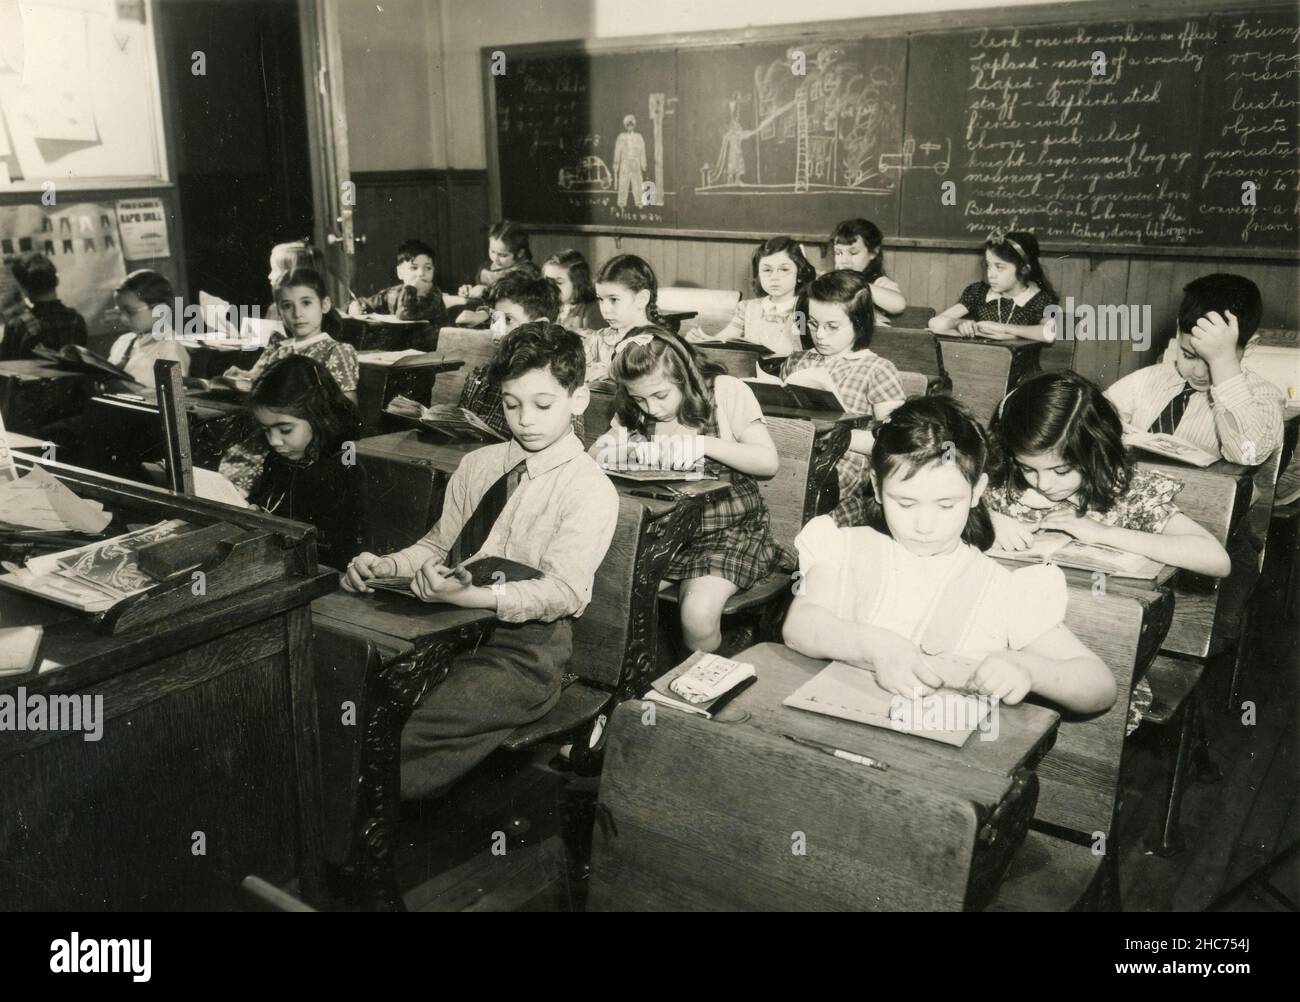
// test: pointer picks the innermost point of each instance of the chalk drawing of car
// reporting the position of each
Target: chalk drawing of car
(591, 174)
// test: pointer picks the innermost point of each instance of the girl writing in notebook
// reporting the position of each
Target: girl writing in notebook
(1063, 467)
(915, 582)
(859, 246)
(673, 406)
(307, 424)
(841, 321)
(1012, 300)
(777, 316)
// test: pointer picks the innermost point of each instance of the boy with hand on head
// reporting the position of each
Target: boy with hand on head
(416, 296)
(1199, 391)
(37, 318)
(538, 499)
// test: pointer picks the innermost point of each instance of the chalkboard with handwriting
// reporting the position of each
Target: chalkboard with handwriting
(1179, 131)
(1111, 133)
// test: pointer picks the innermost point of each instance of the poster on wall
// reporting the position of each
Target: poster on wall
(82, 240)
(143, 225)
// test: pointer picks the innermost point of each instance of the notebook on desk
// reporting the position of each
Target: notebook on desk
(1052, 547)
(949, 715)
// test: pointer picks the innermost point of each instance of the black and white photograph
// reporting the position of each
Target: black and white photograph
(562, 456)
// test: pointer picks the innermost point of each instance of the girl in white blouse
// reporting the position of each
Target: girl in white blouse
(918, 583)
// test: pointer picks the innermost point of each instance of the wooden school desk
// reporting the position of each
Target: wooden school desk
(407, 475)
(982, 370)
(911, 349)
(378, 383)
(614, 654)
(208, 727)
(34, 392)
(704, 815)
(126, 430)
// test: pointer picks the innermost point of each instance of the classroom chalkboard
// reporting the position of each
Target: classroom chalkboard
(1179, 131)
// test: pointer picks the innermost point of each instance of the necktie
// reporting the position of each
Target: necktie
(475, 531)
(1168, 420)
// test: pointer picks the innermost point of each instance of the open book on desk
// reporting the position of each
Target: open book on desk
(806, 390)
(74, 356)
(456, 424)
(403, 358)
(949, 715)
(1170, 447)
(227, 384)
(1052, 547)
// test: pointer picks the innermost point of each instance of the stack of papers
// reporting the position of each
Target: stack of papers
(40, 501)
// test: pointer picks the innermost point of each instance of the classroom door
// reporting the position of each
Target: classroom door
(333, 192)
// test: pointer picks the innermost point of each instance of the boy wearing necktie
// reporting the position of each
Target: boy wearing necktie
(539, 500)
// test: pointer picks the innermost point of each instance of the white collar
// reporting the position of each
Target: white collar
(1029, 292)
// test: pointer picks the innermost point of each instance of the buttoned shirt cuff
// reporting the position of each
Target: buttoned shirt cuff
(543, 599)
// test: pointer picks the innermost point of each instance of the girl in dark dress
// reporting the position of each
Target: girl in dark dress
(311, 473)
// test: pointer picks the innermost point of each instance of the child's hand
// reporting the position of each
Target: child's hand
(1002, 676)
(990, 328)
(685, 453)
(465, 291)
(967, 328)
(1078, 526)
(354, 308)
(1011, 533)
(436, 582)
(365, 566)
(900, 667)
(1214, 338)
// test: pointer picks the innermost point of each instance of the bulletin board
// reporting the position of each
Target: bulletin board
(79, 95)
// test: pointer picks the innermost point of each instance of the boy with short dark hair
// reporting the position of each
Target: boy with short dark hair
(539, 500)
(416, 296)
(1199, 391)
(518, 297)
(39, 318)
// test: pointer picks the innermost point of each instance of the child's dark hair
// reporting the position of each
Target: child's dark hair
(409, 250)
(304, 388)
(579, 271)
(920, 433)
(514, 236)
(679, 363)
(1063, 412)
(803, 270)
(540, 344)
(150, 286)
(35, 273)
(1220, 293)
(849, 230)
(303, 276)
(1021, 249)
(634, 273)
(851, 291)
(539, 297)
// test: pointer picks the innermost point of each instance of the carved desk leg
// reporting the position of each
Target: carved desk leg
(661, 540)
(370, 875)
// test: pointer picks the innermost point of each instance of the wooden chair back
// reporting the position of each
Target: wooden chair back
(602, 635)
(789, 497)
(913, 316)
(1209, 499)
(713, 308)
(596, 418)
(1079, 777)
(474, 348)
(915, 384)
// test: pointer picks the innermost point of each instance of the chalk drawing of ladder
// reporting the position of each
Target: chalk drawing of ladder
(801, 140)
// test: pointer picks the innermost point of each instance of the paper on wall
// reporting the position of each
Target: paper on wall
(143, 225)
(54, 97)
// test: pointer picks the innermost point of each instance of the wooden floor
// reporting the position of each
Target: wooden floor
(1231, 827)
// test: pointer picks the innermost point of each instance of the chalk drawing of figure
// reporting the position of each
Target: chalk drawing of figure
(731, 156)
(629, 162)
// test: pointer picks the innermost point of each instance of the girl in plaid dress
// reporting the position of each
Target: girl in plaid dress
(841, 320)
(671, 403)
